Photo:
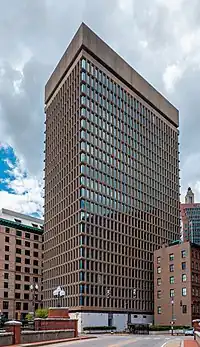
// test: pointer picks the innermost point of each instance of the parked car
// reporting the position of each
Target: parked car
(189, 332)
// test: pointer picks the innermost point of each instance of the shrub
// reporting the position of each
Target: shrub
(98, 328)
(166, 327)
(41, 313)
(29, 317)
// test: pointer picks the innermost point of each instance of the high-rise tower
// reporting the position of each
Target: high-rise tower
(111, 183)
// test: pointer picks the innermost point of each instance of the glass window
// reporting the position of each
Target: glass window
(183, 253)
(184, 291)
(158, 260)
(171, 279)
(172, 293)
(183, 265)
(184, 278)
(18, 233)
(159, 309)
(158, 294)
(171, 257)
(159, 270)
(184, 308)
(171, 268)
(159, 281)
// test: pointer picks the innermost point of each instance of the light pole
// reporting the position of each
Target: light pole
(172, 327)
(108, 294)
(33, 289)
(59, 293)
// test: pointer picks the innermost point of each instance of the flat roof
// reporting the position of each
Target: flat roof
(86, 40)
(21, 216)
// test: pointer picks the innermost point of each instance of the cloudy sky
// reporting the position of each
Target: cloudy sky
(159, 38)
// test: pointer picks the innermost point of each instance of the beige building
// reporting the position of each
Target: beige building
(177, 284)
(111, 184)
(20, 264)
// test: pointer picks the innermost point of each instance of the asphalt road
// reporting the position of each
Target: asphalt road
(126, 341)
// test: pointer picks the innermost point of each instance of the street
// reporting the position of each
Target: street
(126, 341)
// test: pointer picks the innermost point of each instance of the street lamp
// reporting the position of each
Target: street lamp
(108, 294)
(34, 288)
(59, 293)
(172, 322)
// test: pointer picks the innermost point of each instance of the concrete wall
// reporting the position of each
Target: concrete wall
(6, 339)
(101, 319)
(197, 337)
(48, 335)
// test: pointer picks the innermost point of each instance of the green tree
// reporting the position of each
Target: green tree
(29, 317)
(41, 313)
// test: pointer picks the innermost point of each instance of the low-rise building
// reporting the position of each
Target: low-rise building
(177, 284)
(20, 264)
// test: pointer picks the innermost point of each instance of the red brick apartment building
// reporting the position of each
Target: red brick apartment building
(20, 264)
(177, 284)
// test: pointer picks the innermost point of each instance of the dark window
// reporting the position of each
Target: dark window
(7, 230)
(35, 279)
(7, 257)
(26, 296)
(27, 244)
(25, 306)
(18, 250)
(184, 308)
(5, 284)
(18, 260)
(35, 271)
(18, 233)
(35, 262)
(7, 238)
(18, 306)
(171, 268)
(5, 294)
(27, 269)
(27, 261)
(7, 248)
(17, 295)
(6, 276)
(18, 268)
(6, 266)
(27, 279)
(18, 277)
(36, 245)
(27, 235)
(5, 305)
(27, 252)
(183, 265)
(26, 287)
(17, 285)
(36, 237)
(18, 242)
(35, 254)
(17, 220)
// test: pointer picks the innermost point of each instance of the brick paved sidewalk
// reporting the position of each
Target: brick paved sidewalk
(190, 343)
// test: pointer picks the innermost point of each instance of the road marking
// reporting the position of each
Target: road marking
(124, 343)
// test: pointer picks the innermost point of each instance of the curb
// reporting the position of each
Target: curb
(51, 342)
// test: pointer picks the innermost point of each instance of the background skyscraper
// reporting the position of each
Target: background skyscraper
(190, 218)
(111, 183)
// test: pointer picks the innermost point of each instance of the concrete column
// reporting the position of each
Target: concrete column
(15, 328)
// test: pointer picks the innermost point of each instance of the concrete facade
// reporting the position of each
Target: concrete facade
(20, 263)
(177, 284)
(111, 182)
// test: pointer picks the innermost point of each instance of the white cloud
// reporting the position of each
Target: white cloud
(172, 74)
(25, 193)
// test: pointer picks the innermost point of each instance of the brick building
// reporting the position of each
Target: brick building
(20, 263)
(111, 184)
(177, 283)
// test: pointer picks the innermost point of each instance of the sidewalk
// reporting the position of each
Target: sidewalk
(190, 343)
(45, 343)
